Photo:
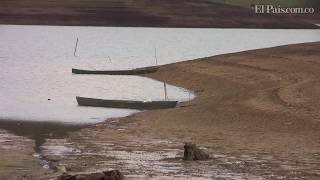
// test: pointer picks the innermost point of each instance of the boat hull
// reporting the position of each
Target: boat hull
(126, 104)
(137, 71)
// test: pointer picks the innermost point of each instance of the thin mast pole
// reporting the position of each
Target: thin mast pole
(75, 48)
(155, 56)
(165, 91)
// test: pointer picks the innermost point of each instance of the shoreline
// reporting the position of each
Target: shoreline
(251, 106)
(315, 27)
(255, 113)
(165, 27)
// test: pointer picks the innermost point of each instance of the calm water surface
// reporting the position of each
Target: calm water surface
(36, 64)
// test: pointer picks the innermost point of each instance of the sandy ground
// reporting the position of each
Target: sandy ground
(256, 113)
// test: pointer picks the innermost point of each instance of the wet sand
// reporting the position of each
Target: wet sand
(17, 161)
(256, 113)
(21, 144)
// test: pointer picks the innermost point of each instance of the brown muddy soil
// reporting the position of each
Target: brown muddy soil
(256, 113)
(144, 13)
(17, 159)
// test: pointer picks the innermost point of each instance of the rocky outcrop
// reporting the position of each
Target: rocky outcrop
(106, 175)
(193, 153)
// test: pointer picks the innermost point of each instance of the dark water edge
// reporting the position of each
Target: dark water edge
(39, 131)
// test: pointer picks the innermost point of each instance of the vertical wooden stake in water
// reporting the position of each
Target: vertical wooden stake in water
(155, 55)
(165, 91)
(109, 58)
(75, 48)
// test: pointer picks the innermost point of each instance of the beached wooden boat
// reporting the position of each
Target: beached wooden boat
(137, 71)
(127, 104)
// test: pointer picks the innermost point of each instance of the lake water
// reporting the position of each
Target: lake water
(36, 64)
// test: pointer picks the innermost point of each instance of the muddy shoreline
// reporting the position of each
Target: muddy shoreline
(256, 113)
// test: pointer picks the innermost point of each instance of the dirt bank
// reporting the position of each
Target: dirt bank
(256, 112)
(144, 13)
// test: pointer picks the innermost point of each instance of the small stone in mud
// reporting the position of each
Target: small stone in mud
(61, 168)
(113, 175)
(66, 176)
(93, 176)
(193, 153)
(107, 175)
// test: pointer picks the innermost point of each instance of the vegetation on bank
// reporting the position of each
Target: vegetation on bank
(144, 13)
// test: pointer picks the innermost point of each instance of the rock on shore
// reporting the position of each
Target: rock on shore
(106, 175)
(193, 153)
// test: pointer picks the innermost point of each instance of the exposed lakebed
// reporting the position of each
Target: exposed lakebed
(36, 61)
(36, 64)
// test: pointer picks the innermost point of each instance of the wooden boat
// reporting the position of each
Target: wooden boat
(137, 71)
(127, 104)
